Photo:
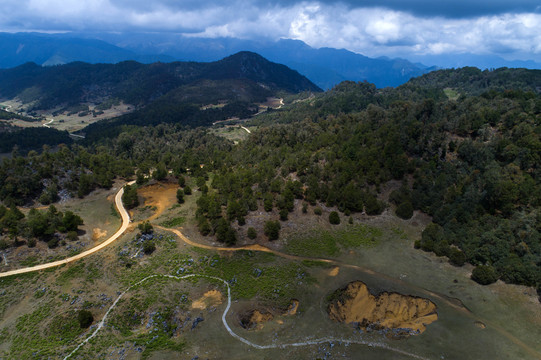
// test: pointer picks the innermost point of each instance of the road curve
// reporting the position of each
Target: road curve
(48, 123)
(125, 223)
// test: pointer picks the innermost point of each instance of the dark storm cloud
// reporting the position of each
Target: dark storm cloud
(371, 27)
(428, 8)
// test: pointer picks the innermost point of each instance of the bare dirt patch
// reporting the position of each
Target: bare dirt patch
(210, 298)
(334, 271)
(160, 196)
(401, 314)
(293, 307)
(98, 233)
(254, 319)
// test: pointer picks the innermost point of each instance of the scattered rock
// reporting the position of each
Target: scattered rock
(196, 322)
(480, 325)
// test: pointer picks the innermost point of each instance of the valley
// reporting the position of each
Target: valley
(389, 265)
(236, 211)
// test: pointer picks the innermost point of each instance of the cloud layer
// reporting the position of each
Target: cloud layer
(394, 27)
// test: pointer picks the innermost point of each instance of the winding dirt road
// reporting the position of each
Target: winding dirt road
(125, 223)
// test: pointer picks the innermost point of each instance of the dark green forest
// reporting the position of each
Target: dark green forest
(470, 161)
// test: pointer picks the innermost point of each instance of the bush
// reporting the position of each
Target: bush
(149, 247)
(204, 226)
(304, 208)
(72, 235)
(373, 206)
(180, 196)
(283, 214)
(457, 257)
(145, 227)
(85, 319)
(404, 210)
(252, 234)
(129, 198)
(187, 190)
(181, 181)
(52, 243)
(318, 211)
(334, 218)
(484, 274)
(272, 229)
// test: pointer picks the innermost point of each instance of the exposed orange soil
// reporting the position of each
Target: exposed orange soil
(293, 307)
(254, 320)
(334, 271)
(161, 196)
(210, 298)
(388, 310)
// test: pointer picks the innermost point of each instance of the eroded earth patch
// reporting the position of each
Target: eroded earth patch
(401, 315)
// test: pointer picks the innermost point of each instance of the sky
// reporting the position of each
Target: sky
(507, 28)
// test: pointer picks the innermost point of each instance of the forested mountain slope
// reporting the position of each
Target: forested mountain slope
(472, 162)
(138, 84)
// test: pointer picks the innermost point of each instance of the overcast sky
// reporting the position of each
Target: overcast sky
(508, 28)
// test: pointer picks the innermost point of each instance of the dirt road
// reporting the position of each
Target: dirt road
(125, 223)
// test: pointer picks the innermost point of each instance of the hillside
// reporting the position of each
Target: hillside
(311, 217)
(137, 84)
(471, 162)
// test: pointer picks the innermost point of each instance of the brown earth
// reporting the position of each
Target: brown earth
(293, 307)
(334, 271)
(393, 311)
(160, 195)
(98, 233)
(254, 319)
(210, 298)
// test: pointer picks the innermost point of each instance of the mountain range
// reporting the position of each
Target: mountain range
(326, 67)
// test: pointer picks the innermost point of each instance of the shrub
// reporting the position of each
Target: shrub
(149, 247)
(304, 208)
(272, 229)
(129, 198)
(181, 181)
(404, 210)
(334, 218)
(484, 274)
(187, 190)
(72, 235)
(145, 227)
(204, 226)
(252, 234)
(241, 220)
(457, 257)
(283, 214)
(85, 318)
(180, 196)
(52, 243)
(318, 211)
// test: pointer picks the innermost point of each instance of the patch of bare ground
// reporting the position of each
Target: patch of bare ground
(98, 233)
(255, 319)
(210, 298)
(399, 315)
(160, 196)
(334, 271)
